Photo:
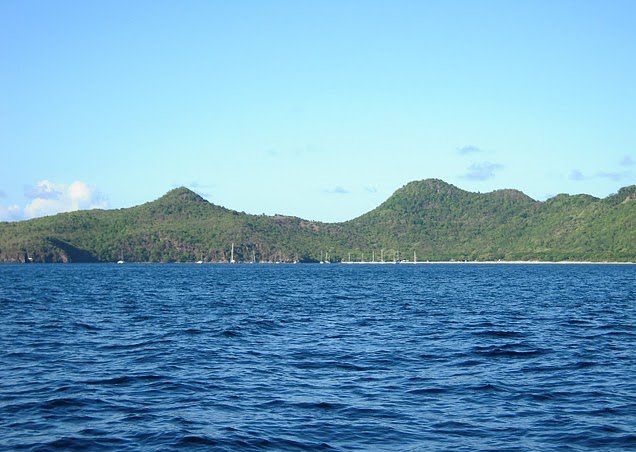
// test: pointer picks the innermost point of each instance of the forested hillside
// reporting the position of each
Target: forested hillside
(429, 218)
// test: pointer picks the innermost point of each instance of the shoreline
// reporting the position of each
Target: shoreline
(451, 262)
(498, 262)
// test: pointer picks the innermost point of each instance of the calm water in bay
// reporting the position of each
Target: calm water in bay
(395, 357)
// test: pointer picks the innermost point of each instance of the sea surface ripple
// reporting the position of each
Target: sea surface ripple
(318, 357)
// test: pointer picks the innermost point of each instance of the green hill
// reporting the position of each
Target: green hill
(436, 220)
(441, 222)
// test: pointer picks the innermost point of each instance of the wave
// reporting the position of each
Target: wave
(293, 358)
(125, 380)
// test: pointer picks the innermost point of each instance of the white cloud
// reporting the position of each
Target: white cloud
(627, 161)
(43, 189)
(11, 213)
(48, 198)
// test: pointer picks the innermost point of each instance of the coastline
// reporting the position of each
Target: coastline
(497, 262)
(451, 262)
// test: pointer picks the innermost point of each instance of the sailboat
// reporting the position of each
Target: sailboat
(121, 257)
(232, 254)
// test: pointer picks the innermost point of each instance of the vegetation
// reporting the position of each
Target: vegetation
(431, 218)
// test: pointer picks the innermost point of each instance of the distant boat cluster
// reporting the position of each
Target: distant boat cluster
(324, 259)
(397, 259)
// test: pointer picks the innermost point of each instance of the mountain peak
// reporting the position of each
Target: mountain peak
(426, 188)
(511, 194)
(180, 202)
(182, 194)
(430, 184)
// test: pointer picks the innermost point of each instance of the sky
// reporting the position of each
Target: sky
(317, 109)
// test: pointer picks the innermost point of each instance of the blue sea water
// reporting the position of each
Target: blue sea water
(318, 357)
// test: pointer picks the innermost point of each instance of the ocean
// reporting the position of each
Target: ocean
(318, 357)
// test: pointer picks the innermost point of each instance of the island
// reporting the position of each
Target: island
(424, 221)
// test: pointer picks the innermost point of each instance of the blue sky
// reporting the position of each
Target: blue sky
(314, 109)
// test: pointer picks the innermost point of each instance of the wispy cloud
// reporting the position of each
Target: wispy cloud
(469, 149)
(576, 174)
(197, 187)
(627, 161)
(371, 189)
(2, 194)
(44, 189)
(614, 175)
(482, 171)
(338, 190)
(201, 189)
